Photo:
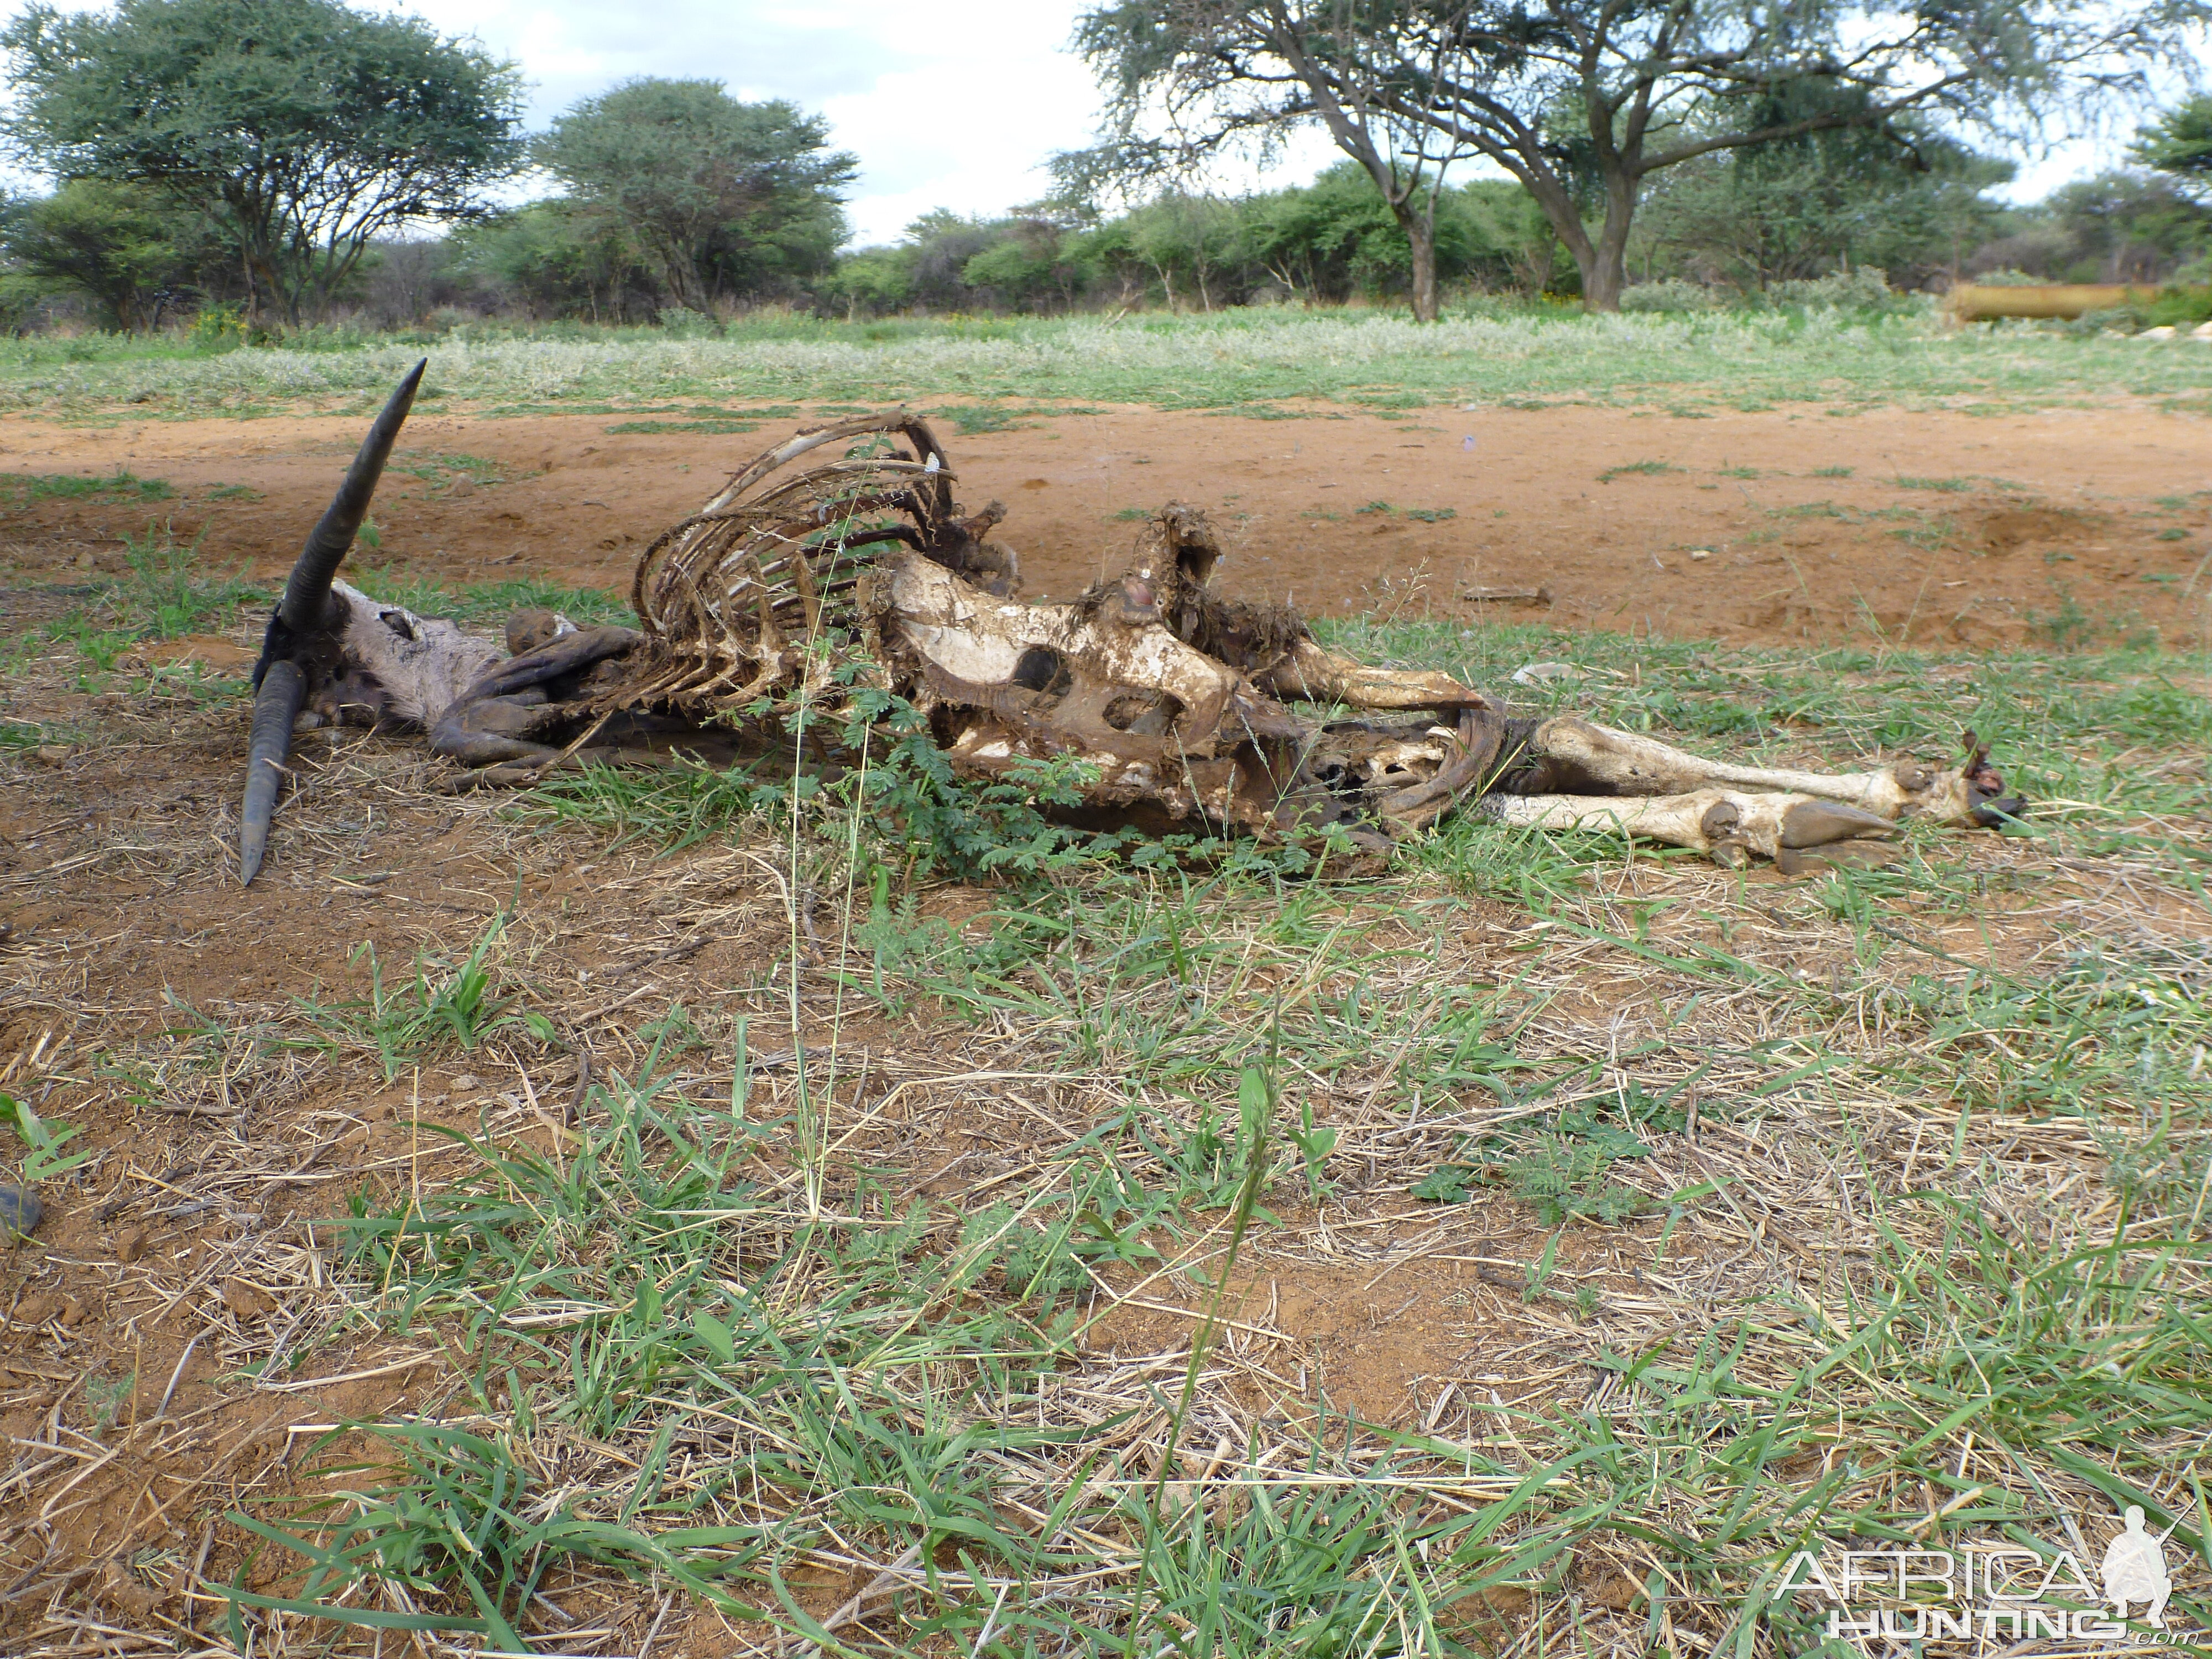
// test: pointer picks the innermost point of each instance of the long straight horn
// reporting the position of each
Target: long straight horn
(302, 606)
(275, 706)
(280, 678)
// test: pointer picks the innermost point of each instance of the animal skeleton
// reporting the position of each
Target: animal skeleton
(795, 584)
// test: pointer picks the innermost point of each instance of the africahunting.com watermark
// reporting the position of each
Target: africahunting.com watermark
(1987, 1592)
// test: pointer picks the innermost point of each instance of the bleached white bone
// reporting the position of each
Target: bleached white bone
(1638, 765)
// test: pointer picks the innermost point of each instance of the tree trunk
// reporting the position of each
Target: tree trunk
(1421, 233)
(1605, 274)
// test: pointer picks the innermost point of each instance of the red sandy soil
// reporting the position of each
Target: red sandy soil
(2051, 514)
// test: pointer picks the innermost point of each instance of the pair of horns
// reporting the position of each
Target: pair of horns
(303, 627)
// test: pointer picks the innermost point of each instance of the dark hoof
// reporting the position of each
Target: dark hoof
(1817, 822)
(2001, 814)
(1861, 854)
(19, 1212)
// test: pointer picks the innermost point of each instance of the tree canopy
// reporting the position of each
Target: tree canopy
(125, 247)
(307, 127)
(1895, 196)
(1583, 101)
(2180, 142)
(718, 193)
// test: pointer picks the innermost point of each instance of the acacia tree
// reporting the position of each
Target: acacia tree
(124, 248)
(305, 128)
(1898, 197)
(1225, 74)
(2180, 142)
(1582, 100)
(715, 191)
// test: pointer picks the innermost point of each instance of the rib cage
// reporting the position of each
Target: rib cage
(731, 598)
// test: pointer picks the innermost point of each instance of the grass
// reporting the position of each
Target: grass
(442, 471)
(1281, 362)
(165, 591)
(487, 605)
(446, 1006)
(1868, 1208)
(718, 426)
(20, 489)
(1636, 469)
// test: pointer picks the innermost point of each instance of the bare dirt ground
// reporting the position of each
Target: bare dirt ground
(198, 1243)
(1928, 528)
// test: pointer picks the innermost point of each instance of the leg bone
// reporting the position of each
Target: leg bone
(1633, 765)
(1727, 825)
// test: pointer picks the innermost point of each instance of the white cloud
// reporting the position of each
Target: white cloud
(950, 106)
(955, 105)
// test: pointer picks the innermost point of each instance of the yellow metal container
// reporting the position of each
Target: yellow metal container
(1973, 302)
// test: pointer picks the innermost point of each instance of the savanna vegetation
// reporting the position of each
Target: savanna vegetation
(226, 181)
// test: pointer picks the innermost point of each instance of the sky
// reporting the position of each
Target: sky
(954, 104)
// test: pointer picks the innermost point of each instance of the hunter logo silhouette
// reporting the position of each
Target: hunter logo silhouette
(2135, 1571)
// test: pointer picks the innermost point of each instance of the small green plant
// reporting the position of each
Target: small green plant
(1375, 506)
(43, 1161)
(1431, 514)
(1636, 469)
(1563, 1178)
(443, 1005)
(974, 420)
(1947, 486)
(1834, 471)
(1560, 1167)
(104, 1397)
(720, 427)
(442, 471)
(1314, 1145)
(917, 812)
(2070, 627)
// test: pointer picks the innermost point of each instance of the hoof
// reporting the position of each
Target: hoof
(2001, 813)
(19, 1212)
(1817, 822)
(1862, 854)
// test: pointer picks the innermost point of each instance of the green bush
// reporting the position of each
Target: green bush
(1864, 289)
(1672, 293)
